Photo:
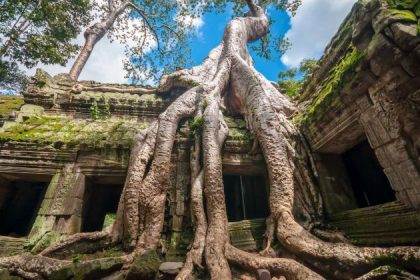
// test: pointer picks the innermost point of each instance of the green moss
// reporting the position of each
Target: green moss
(402, 4)
(398, 15)
(387, 259)
(327, 95)
(195, 126)
(109, 220)
(49, 130)
(146, 266)
(240, 134)
(9, 104)
(112, 252)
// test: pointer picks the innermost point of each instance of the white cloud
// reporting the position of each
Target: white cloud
(189, 20)
(104, 65)
(312, 28)
(106, 61)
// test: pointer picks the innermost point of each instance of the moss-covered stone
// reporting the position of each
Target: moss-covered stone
(5, 275)
(8, 104)
(145, 266)
(403, 4)
(389, 16)
(417, 10)
(63, 130)
(94, 269)
(327, 95)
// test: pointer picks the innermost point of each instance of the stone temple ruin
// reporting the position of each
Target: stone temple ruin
(64, 153)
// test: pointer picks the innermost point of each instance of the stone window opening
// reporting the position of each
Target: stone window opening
(367, 178)
(246, 197)
(100, 204)
(20, 201)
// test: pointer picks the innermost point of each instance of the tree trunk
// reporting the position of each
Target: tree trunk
(227, 75)
(92, 36)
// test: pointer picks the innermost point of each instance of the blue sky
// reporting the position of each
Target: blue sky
(211, 32)
(309, 32)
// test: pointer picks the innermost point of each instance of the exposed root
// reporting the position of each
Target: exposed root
(330, 236)
(195, 254)
(289, 268)
(388, 272)
(79, 88)
(227, 75)
(32, 267)
(85, 242)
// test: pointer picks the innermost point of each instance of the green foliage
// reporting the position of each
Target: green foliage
(195, 126)
(403, 4)
(94, 111)
(38, 31)
(290, 87)
(290, 82)
(12, 79)
(109, 220)
(147, 63)
(75, 259)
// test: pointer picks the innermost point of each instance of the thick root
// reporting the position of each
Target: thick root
(289, 268)
(86, 242)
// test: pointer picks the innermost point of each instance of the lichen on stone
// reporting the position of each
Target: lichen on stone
(327, 95)
(8, 104)
(60, 129)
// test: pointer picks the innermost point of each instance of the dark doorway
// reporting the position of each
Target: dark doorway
(20, 204)
(369, 183)
(246, 197)
(99, 200)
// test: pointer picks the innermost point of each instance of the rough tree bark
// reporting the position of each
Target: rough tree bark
(225, 79)
(97, 31)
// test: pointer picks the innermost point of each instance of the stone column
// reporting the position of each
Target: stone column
(61, 210)
(382, 118)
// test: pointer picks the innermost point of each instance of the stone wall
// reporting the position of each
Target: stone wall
(69, 138)
(367, 86)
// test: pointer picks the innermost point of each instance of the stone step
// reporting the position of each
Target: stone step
(388, 224)
(247, 234)
(11, 245)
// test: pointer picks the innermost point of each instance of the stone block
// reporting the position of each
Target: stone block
(376, 133)
(359, 84)
(390, 80)
(364, 102)
(411, 64)
(392, 153)
(400, 93)
(382, 55)
(387, 17)
(171, 268)
(405, 35)
(263, 274)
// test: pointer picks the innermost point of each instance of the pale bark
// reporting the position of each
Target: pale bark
(92, 35)
(227, 75)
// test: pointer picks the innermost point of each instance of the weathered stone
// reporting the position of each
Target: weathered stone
(411, 64)
(388, 16)
(405, 35)
(171, 268)
(145, 266)
(382, 55)
(263, 274)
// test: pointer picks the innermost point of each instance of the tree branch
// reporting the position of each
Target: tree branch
(251, 6)
(145, 18)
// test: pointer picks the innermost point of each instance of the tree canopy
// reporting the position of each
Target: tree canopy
(156, 33)
(34, 31)
(291, 80)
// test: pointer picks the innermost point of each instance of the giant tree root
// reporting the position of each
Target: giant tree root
(226, 79)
